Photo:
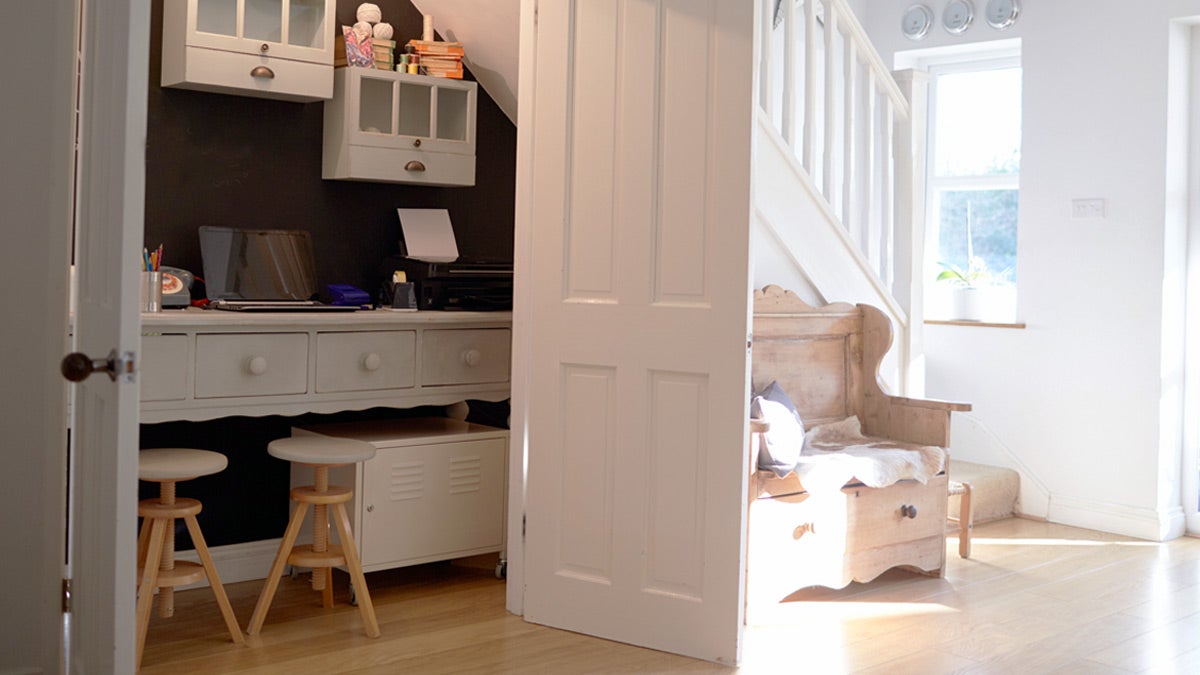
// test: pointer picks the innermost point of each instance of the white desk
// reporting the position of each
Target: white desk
(202, 365)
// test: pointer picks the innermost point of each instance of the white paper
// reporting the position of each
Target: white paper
(428, 235)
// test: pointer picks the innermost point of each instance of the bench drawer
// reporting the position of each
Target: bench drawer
(874, 517)
(165, 360)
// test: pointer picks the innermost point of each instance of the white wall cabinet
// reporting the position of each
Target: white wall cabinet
(265, 48)
(392, 127)
(435, 489)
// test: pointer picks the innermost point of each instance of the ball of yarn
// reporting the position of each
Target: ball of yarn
(383, 31)
(368, 12)
(363, 30)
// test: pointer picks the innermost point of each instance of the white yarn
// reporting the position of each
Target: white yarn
(383, 31)
(363, 30)
(368, 12)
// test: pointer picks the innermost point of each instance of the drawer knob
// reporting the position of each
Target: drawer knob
(414, 165)
(257, 365)
(263, 72)
(370, 508)
(264, 48)
(472, 357)
(908, 511)
(371, 361)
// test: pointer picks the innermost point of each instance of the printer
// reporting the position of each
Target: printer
(461, 284)
(441, 279)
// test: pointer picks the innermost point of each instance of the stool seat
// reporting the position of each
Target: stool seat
(325, 450)
(159, 464)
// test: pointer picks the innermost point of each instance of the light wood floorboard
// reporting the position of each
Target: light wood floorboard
(1034, 598)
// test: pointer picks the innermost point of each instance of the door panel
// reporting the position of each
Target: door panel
(639, 175)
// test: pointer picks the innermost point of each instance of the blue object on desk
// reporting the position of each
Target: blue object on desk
(347, 295)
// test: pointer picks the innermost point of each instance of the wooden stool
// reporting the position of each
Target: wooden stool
(157, 566)
(320, 452)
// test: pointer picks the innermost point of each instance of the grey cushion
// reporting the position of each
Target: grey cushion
(783, 442)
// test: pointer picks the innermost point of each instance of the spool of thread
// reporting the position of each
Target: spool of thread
(427, 31)
(413, 68)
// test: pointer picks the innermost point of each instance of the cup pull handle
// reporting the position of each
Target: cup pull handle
(262, 71)
(414, 165)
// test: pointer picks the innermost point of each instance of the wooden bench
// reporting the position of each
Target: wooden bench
(827, 360)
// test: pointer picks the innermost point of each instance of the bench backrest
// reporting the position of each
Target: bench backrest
(826, 358)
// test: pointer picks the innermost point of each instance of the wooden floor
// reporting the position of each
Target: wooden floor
(1035, 598)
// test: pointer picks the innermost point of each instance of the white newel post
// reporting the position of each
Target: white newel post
(909, 209)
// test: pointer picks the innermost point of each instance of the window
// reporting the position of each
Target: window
(974, 169)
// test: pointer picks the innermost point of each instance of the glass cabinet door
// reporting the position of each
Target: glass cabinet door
(217, 17)
(263, 21)
(306, 23)
(375, 100)
(452, 107)
(415, 99)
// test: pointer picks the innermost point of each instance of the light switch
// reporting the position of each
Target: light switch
(1087, 208)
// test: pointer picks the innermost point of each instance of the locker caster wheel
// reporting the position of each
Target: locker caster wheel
(502, 569)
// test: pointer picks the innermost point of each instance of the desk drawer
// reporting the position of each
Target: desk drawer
(258, 364)
(364, 361)
(465, 356)
(163, 368)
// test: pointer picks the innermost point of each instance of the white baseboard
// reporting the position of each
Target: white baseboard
(1130, 521)
(237, 562)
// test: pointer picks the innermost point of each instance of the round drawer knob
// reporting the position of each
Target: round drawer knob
(908, 511)
(371, 361)
(472, 357)
(257, 365)
(264, 48)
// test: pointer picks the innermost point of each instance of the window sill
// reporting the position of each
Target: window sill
(977, 324)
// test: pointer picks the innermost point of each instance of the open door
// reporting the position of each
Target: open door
(635, 170)
(38, 204)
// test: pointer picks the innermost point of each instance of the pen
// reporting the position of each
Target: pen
(146, 259)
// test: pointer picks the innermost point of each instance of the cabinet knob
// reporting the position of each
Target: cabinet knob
(472, 357)
(908, 511)
(257, 365)
(414, 165)
(416, 142)
(264, 47)
(371, 361)
(263, 72)
(370, 508)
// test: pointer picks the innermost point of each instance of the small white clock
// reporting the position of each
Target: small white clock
(916, 21)
(957, 16)
(1001, 14)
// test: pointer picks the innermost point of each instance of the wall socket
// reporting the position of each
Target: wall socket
(1087, 208)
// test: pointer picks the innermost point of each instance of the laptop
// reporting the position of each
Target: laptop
(257, 270)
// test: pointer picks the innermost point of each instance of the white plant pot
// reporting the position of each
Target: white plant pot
(967, 304)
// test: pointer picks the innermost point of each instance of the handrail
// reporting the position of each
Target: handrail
(883, 74)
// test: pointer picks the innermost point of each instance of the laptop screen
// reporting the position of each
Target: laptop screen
(249, 264)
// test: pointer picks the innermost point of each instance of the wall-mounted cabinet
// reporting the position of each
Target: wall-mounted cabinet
(266, 48)
(392, 127)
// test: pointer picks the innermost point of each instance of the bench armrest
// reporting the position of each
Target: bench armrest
(911, 420)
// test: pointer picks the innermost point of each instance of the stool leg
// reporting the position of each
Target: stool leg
(321, 578)
(213, 580)
(966, 520)
(149, 579)
(350, 550)
(143, 542)
(166, 596)
(285, 548)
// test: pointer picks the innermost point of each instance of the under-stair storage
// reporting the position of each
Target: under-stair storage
(393, 127)
(264, 48)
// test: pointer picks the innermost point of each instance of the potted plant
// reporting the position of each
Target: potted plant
(966, 295)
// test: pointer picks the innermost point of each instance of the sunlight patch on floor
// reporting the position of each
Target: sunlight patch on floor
(1057, 542)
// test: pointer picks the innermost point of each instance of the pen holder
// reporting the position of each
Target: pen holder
(404, 295)
(152, 291)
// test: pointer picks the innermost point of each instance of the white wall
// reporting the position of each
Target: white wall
(1080, 396)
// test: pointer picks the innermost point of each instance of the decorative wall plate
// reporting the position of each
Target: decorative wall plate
(916, 21)
(957, 16)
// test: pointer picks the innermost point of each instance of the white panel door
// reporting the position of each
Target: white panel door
(108, 242)
(37, 204)
(639, 188)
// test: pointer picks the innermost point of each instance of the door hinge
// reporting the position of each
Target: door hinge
(523, 527)
(66, 596)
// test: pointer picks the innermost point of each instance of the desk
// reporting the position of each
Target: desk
(202, 365)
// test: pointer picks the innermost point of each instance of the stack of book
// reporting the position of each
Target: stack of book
(439, 59)
(385, 58)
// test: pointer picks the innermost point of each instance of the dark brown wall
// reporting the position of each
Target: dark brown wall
(214, 159)
(236, 161)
